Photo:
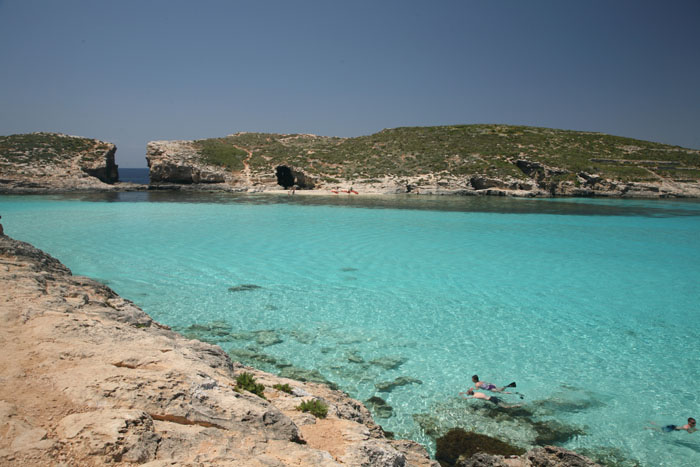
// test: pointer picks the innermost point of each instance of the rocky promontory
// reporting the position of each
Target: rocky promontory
(501, 160)
(54, 162)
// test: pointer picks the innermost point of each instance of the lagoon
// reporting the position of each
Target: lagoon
(590, 305)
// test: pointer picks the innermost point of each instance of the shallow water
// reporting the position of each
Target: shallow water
(590, 305)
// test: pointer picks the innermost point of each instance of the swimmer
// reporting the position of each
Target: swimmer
(490, 386)
(689, 427)
(493, 399)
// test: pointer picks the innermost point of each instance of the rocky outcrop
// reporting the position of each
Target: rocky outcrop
(180, 162)
(90, 379)
(53, 162)
(548, 456)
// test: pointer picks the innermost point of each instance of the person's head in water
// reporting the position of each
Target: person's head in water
(475, 378)
(691, 422)
(470, 392)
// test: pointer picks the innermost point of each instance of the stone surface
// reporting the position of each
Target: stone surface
(90, 379)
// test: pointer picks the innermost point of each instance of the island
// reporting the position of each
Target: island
(493, 160)
(501, 160)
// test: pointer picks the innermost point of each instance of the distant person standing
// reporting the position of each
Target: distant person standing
(1, 231)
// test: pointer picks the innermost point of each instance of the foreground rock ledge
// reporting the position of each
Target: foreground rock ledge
(88, 379)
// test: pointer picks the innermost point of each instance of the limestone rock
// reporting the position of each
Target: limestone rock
(54, 162)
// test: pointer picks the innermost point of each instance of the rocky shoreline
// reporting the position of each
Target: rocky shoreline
(88, 379)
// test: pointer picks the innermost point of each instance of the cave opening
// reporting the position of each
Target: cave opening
(285, 177)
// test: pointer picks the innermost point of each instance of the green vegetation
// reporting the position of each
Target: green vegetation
(221, 151)
(47, 147)
(315, 407)
(246, 382)
(283, 387)
(458, 150)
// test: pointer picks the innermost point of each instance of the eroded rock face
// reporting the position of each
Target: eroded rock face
(53, 162)
(180, 162)
(90, 379)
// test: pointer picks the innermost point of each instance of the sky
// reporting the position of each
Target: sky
(129, 72)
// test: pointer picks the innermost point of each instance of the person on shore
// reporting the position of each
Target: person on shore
(2, 232)
(493, 399)
(484, 386)
(689, 427)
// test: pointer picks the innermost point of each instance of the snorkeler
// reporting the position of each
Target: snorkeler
(689, 427)
(490, 386)
(493, 399)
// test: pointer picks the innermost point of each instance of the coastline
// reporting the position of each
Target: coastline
(101, 382)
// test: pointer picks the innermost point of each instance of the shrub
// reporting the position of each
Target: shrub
(283, 387)
(315, 407)
(246, 382)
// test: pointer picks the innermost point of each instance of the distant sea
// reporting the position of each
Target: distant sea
(590, 305)
(139, 175)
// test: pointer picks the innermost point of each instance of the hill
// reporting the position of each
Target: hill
(500, 159)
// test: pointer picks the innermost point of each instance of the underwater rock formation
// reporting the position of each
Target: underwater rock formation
(387, 386)
(379, 407)
(389, 363)
(458, 442)
(244, 287)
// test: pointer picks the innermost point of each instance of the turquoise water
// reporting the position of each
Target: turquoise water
(590, 305)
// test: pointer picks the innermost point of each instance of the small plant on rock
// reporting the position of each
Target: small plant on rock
(315, 407)
(283, 387)
(246, 382)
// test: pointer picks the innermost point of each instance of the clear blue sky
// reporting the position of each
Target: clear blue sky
(130, 72)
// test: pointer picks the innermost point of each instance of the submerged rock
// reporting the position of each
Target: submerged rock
(389, 363)
(303, 337)
(549, 456)
(303, 374)
(522, 426)
(258, 359)
(244, 287)
(354, 357)
(379, 407)
(213, 333)
(387, 386)
(458, 442)
(267, 338)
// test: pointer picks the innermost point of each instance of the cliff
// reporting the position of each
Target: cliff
(464, 159)
(52, 162)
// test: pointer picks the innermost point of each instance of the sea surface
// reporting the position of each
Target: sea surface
(134, 175)
(591, 306)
